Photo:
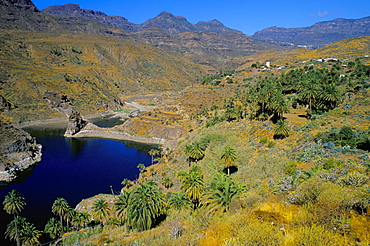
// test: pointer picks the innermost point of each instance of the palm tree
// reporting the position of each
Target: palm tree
(179, 200)
(68, 216)
(80, 219)
(100, 210)
(193, 185)
(196, 150)
(167, 182)
(13, 204)
(281, 130)
(152, 153)
(331, 96)
(53, 228)
(121, 204)
(309, 91)
(141, 167)
(229, 157)
(279, 105)
(146, 204)
(30, 235)
(220, 194)
(126, 182)
(14, 228)
(60, 207)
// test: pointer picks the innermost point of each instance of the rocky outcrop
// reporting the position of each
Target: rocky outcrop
(18, 152)
(4, 104)
(75, 124)
(319, 34)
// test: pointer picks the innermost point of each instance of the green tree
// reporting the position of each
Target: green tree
(80, 219)
(60, 207)
(152, 153)
(100, 210)
(179, 200)
(14, 228)
(53, 228)
(310, 92)
(13, 204)
(192, 184)
(126, 182)
(167, 182)
(141, 167)
(146, 204)
(196, 150)
(279, 105)
(30, 235)
(331, 96)
(121, 204)
(68, 216)
(281, 130)
(220, 194)
(229, 157)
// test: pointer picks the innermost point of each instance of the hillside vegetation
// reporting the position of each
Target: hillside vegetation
(282, 160)
(40, 71)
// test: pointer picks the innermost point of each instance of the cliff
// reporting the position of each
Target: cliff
(18, 151)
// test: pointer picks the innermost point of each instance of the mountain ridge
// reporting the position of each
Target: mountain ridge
(318, 34)
(165, 20)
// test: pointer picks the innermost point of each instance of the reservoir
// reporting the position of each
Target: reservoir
(72, 168)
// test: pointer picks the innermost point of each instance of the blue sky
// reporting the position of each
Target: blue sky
(244, 15)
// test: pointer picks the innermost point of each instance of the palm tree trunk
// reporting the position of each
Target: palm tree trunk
(16, 231)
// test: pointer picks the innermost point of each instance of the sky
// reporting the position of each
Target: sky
(244, 15)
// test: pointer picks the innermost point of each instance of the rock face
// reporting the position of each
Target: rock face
(18, 151)
(75, 124)
(319, 34)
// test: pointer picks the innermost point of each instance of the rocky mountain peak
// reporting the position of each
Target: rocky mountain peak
(20, 4)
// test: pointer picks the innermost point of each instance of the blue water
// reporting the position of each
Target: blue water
(74, 169)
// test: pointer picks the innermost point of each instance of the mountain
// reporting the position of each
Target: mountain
(319, 34)
(74, 10)
(77, 63)
(210, 43)
(177, 24)
(166, 21)
(23, 15)
(220, 50)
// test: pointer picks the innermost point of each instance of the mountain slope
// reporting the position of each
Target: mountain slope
(347, 49)
(319, 34)
(44, 72)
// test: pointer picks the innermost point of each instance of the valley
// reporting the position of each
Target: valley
(251, 142)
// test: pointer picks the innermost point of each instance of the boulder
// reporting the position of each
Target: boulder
(75, 124)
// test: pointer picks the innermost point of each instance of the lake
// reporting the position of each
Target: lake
(73, 168)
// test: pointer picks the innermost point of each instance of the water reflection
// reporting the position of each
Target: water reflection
(76, 145)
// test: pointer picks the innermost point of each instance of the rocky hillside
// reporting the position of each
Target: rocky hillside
(209, 43)
(166, 21)
(74, 10)
(23, 15)
(18, 152)
(44, 74)
(319, 34)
